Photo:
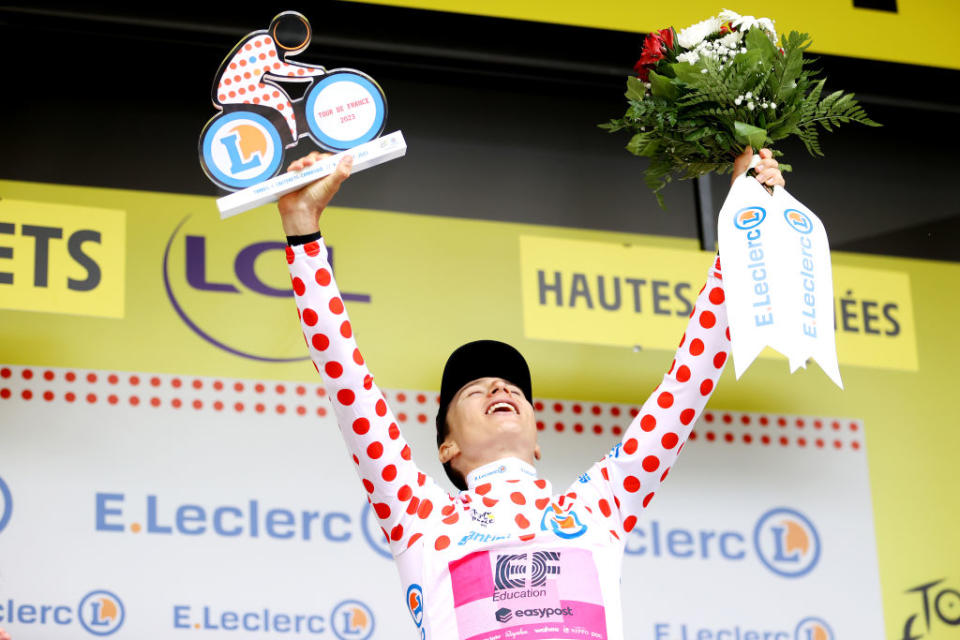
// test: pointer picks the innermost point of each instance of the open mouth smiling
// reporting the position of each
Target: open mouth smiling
(502, 406)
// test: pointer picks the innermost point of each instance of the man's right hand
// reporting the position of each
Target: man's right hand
(300, 210)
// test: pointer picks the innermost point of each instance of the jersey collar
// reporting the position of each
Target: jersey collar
(499, 470)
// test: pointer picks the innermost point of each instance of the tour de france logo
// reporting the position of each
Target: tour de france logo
(798, 221)
(6, 505)
(749, 217)
(787, 542)
(813, 629)
(352, 620)
(101, 612)
(258, 118)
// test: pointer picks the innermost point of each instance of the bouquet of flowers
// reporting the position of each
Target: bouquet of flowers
(703, 94)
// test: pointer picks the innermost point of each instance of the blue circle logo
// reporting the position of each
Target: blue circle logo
(100, 612)
(240, 149)
(372, 533)
(813, 629)
(6, 504)
(345, 109)
(749, 217)
(352, 620)
(798, 221)
(786, 542)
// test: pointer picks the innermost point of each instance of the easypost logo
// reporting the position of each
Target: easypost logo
(813, 629)
(352, 620)
(211, 277)
(101, 612)
(6, 504)
(798, 221)
(749, 217)
(786, 542)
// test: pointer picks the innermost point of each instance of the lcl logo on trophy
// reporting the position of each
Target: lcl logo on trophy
(242, 147)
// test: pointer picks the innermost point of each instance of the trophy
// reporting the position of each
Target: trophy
(343, 111)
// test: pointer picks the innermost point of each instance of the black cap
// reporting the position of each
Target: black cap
(481, 359)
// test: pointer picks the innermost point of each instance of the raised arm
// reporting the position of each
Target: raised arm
(404, 499)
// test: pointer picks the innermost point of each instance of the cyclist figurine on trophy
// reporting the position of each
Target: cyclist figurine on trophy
(342, 110)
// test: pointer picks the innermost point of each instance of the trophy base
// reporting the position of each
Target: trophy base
(366, 155)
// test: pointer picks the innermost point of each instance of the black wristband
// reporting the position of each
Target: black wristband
(310, 237)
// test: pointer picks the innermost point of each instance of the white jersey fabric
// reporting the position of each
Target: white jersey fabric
(508, 557)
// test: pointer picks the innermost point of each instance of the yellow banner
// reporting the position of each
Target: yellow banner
(62, 258)
(639, 296)
(920, 31)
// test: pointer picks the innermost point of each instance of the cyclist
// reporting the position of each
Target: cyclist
(505, 556)
(251, 73)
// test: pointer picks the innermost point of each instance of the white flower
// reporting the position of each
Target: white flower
(773, 105)
(731, 40)
(728, 16)
(694, 34)
(750, 106)
(738, 100)
(748, 95)
(690, 56)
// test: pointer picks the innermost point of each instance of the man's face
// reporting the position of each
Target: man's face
(490, 418)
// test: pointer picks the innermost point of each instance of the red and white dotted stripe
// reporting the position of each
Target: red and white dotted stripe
(412, 408)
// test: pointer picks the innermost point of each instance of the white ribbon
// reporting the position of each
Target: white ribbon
(777, 278)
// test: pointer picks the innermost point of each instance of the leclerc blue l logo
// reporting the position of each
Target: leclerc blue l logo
(6, 504)
(749, 217)
(787, 543)
(813, 629)
(101, 612)
(352, 620)
(798, 221)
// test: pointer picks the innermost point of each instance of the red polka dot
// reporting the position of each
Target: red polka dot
(719, 359)
(707, 319)
(482, 489)
(716, 295)
(311, 248)
(345, 330)
(48, 395)
(669, 440)
(784, 441)
(91, 377)
(687, 415)
(26, 394)
(442, 543)
(628, 524)
(706, 387)
(631, 484)
(361, 426)
(405, 493)
(665, 400)
(604, 508)
(518, 498)
(393, 431)
(382, 509)
(683, 373)
(423, 512)
(345, 396)
(375, 450)
(451, 519)
(298, 287)
(415, 536)
(405, 452)
(336, 305)
(696, 346)
(630, 446)
(396, 533)
(322, 276)
(728, 437)
(368, 485)
(381, 407)
(711, 436)
(333, 369)
(597, 429)
(70, 397)
(310, 317)
(522, 522)
(651, 464)
(389, 473)
(648, 422)
(647, 499)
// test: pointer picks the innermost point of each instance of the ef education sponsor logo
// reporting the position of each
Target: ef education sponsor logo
(809, 628)
(6, 505)
(155, 515)
(210, 277)
(784, 541)
(100, 613)
(348, 620)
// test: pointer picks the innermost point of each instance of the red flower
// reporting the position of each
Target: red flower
(655, 47)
